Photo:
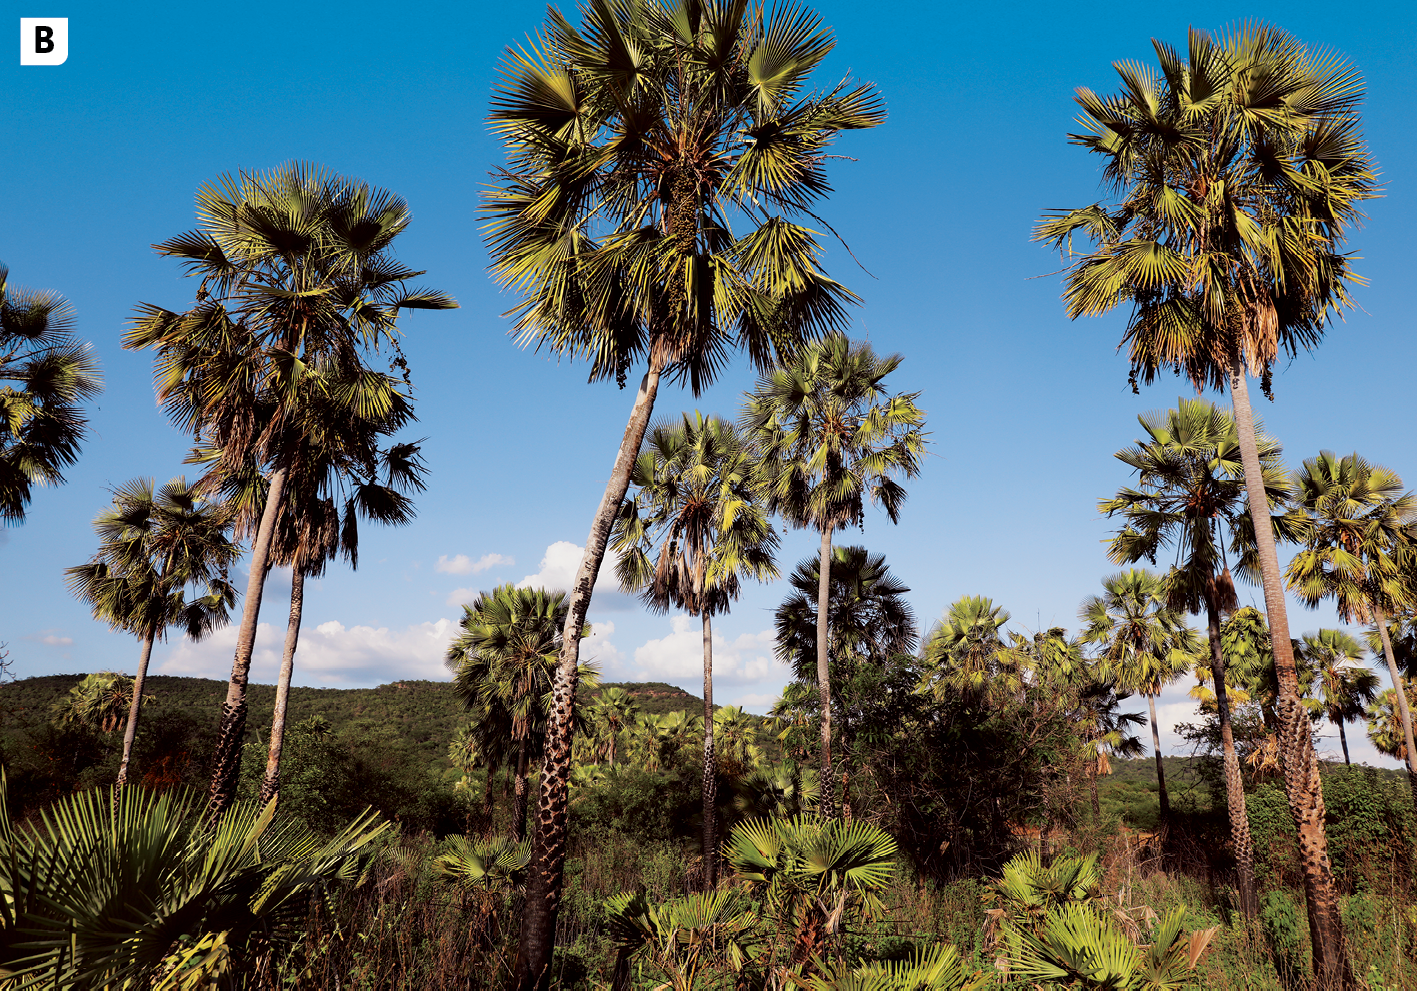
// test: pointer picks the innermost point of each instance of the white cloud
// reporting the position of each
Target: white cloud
(598, 651)
(463, 565)
(558, 573)
(679, 655)
(330, 654)
(757, 702)
(53, 640)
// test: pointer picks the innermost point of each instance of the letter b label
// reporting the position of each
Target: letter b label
(44, 40)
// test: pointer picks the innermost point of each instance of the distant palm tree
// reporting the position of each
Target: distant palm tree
(50, 374)
(1359, 551)
(828, 436)
(505, 662)
(162, 561)
(298, 287)
(660, 209)
(868, 622)
(1143, 644)
(1190, 493)
(1347, 688)
(693, 528)
(613, 713)
(1385, 724)
(99, 702)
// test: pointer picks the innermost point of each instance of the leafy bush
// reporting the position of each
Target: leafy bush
(642, 804)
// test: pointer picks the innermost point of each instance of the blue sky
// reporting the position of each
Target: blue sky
(103, 155)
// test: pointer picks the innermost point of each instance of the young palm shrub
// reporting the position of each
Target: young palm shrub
(1142, 642)
(691, 532)
(299, 286)
(665, 162)
(162, 561)
(1359, 551)
(828, 436)
(1190, 493)
(131, 889)
(1346, 687)
(48, 376)
(1236, 170)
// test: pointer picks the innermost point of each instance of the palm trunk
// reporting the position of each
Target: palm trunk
(1234, 784)
(548, 858)
(1160, 769)
(519, 797)
(131, 731)
(226, 770)
(1096, 800)
(1302, 786)
(487, 798)
(1402, 709)
(1343, 739)
(710, 765)
(270, 784)
(824, 680)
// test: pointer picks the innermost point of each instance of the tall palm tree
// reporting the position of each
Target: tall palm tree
(298, 286)
(1385, 723)
(691, 530)
(1359, 550)
(162, 561)
(1346, 687)
(867, 622)
(311, 531)
(662, 159)
(613, 712)
(48, 375)
(505, 660)
(1190, 493)
(1236, 170)
(1143, 643)
(828, 435)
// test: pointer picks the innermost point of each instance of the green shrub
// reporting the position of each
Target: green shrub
(1288, 934)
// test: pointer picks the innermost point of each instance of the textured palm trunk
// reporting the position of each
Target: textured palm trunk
(270, 784)
(1160, 768)
(710, 765)
(226, 770)
(487, 798)
(1096, 800)
(1302, 785)
(1234, 784)
(519, 797)
(131, 731)
(1343, 739)
(824, 680)
(548, 854)
(1402, 709)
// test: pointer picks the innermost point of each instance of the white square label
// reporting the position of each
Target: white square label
(44, 40)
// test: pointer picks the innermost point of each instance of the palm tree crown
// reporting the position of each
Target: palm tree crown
(48, 374)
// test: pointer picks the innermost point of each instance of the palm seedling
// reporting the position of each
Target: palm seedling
(692, 531)
(46, 376)
(1235, 170)
(162, 561)
(661, 160)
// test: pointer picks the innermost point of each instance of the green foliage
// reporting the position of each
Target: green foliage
(101, 887)
(637, 802)
(1288, 934)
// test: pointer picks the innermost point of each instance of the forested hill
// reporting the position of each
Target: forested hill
(423, 715)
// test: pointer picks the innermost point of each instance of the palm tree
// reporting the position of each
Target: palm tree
(99, 702)
(828, 435)
(659, 160)
(1190, 492)
(1143, 643)
(1236, 169)
(613, 712)
(505, 659)
(1347, 688)
(1105, 731)
(157, 547)
(868, 621)
(311, 530)
(1385, 723)
(965, 652)
(1358, 549)
(298, 285)
(41, 423)
(691, 530)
